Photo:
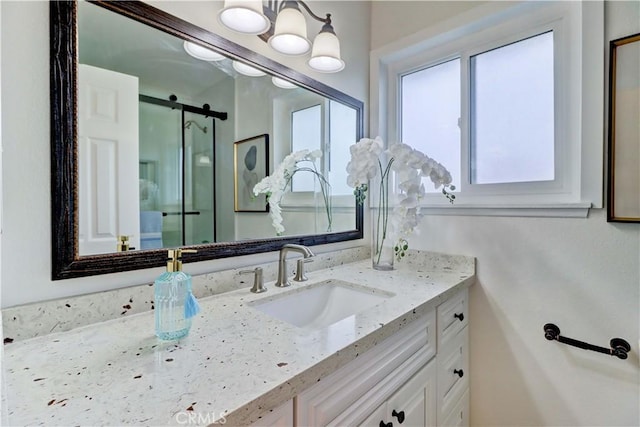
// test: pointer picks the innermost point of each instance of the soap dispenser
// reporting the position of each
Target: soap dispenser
(174, 302)
(123, 244)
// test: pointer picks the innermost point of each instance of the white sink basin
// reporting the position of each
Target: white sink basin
(321, 304)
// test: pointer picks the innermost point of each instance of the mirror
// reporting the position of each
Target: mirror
(188, 117)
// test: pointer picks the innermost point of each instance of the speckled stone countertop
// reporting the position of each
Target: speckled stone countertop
(237, 362)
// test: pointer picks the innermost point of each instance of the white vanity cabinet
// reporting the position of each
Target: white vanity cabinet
(282, 416)
(453, 360)
(403, 380)
(413, 404)
(354, 392)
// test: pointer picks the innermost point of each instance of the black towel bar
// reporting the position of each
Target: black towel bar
(618, 346)
(180, 213)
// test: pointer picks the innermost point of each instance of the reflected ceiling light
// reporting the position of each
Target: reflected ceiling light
(282, 83)
(203, 160)
(287, 31)
(202, 53)
(244, 16)
(247, 70)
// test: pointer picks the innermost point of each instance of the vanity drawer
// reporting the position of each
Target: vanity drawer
(452, 316)
(459, 416)
(453, 373)
(351, 394)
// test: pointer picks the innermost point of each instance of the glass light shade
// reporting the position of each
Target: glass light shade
(247, 70)
(202, 53)
(282, 83)
(244, 16)
(325, 56)
(290, 35)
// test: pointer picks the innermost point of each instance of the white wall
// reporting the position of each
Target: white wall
(26, 268)
(253, 109)
(393, 20)
(582, 274)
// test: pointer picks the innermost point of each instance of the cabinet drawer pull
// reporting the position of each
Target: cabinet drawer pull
(382, 424)
(398, 415)
(459, 316)
(459, 372)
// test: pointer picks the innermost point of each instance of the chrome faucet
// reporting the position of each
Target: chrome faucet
(283, 279)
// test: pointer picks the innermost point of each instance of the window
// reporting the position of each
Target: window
(306, 133)
(431, 106)
(502, 102)
(512, 113)
(342, 133)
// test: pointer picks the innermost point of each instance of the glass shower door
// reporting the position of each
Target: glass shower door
(199, 198)
(160, 181)
(177, 191)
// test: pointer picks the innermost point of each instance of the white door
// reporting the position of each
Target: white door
(108, 159)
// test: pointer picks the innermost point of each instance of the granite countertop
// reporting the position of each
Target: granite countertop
(236, 363)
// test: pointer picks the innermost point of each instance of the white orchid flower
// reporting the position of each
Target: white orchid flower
(276, 184)
(410, 167)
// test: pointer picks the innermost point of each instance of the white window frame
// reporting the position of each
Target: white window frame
(304, 201)
(579, 102)
(322, 163)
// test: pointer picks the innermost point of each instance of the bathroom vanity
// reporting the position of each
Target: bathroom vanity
(415, 377)
(401, 357)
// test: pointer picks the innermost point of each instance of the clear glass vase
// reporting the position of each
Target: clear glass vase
(382, 253)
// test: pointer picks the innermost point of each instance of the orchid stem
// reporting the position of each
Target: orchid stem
(325, 188)
(383, 208)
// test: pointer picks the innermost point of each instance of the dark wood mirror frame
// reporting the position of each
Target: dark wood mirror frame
(619, 147)
(66, 263)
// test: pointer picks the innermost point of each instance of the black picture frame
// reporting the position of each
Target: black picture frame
(250, 166)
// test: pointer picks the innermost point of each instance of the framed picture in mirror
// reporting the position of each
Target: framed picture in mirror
(624, 130)
(250, 166)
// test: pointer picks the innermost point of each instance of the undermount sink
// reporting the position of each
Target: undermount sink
(321, 304)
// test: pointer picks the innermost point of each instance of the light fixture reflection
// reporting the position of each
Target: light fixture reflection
(203, 160)
(282, 83)
(247, 70)
(202, 53)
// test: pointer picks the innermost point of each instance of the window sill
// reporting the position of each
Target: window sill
(560, 210)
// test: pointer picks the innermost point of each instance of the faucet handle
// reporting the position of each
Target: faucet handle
(300, 276)
(258, 280)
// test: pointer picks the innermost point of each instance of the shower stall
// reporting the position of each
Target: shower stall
(177, 173)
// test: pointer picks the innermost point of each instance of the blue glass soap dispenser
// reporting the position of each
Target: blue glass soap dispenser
(174, 302)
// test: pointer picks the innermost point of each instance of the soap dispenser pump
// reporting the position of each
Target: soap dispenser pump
(123, 244)
(174, 302)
